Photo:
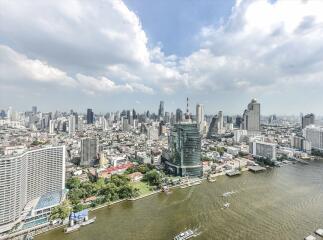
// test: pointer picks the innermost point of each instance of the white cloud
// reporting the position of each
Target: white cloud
(101, 47)
(15, 67)
(263, 46)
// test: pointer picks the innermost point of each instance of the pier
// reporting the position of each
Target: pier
(256, 169)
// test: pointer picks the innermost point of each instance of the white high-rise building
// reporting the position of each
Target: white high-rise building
(51, 126)
(71, 125)
(314, 135)
(200, 117)
(80, 124)
(263, 149)
(26, 177)
(251, 117)
(105, 124)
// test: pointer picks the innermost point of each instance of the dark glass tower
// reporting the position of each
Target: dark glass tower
(90, 116)
(185, 150)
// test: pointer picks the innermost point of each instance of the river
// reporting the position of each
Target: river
(281, 203)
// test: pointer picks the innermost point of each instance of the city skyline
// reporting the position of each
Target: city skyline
(219, 54)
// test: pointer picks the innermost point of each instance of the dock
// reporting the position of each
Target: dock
(256, 169)
(310, 237)
(233, 173)
(319, 232)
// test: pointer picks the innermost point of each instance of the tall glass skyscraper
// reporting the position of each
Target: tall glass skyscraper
(184, 156)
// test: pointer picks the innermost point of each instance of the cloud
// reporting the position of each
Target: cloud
(15, 67)
(263, 46)
(100, 47)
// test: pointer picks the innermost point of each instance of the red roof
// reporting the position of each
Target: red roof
(119, 168)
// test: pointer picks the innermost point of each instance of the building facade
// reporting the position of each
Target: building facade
(251, 117)
(263, 149)
(307, 120)
(26, 177)
(88, 151)
(200, 117)
(314, 135)
(184, 154)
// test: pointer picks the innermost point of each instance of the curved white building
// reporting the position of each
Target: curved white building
(26, 177)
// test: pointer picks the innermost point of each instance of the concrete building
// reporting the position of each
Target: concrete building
(200, 117)
(239, 135)
(179, 115)
(52, 126)
(314, 135)
(251, 117)
(263, 149)
(26, 177)
(308, 119)
(300, 143)
(89, 151)
(183, 157)
(216, 126)
(71, 125)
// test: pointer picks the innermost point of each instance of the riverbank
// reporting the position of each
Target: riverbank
(280, 203)
(184, 184)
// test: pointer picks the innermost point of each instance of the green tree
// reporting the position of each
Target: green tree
(73, 182)
(78, 207)
(127, 191)
(75, 195)
(61, 211)
(153, 178)
(119, 180)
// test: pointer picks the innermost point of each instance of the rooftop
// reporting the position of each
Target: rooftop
(49, 200)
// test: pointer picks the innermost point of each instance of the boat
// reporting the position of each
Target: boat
(310, 237)
(72, 228)
(226, 205)
(227, 194)
(87, 222)
(319, 232)
(211, 178)
(186, 235)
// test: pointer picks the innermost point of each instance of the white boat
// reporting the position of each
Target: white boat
(87, 222)
(310, 237)
(186, 235)
(226, 205)
(227, 194)
(72, 228)
(319, 232)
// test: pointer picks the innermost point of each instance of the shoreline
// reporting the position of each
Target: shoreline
(55, 227)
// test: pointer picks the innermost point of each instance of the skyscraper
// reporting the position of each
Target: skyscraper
(179, 115)
(51, 126)
(200, 116)
(71, 125)
(88, 151)
(184, 155)
(216, 126)
(34, 109)
(308, 119)
(26, 177)
(90, 116)
(251, 117)
(161, 110)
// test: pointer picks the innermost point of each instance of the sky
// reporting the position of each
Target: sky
(111, 55)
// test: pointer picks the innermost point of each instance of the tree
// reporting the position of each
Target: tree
(75, 195)
(153, 178)
(78, 207)
(73, 182)
(61, 211)
(127, 191)
(119, 180)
